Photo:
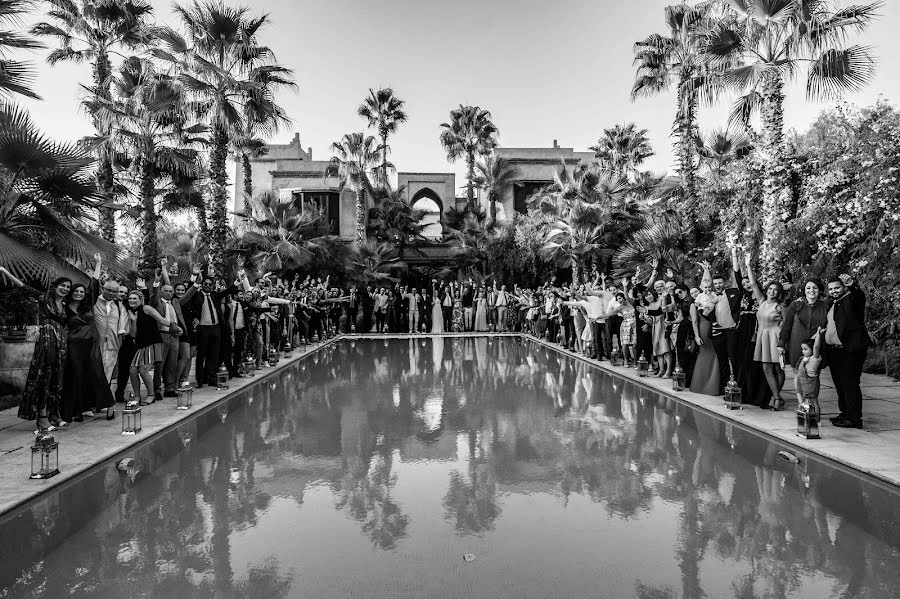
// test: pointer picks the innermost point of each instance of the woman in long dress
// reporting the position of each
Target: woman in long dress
(706, 368)
(86, 389)
(457, 308)
(748, 372)
(437, 314)
(41, 397)
(481, 312)
(769, 318)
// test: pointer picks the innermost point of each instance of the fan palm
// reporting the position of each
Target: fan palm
(664, 238)
(677, 60)
(762, 44)
(470, 242)
(374, 262)
(222, 64)
(281, 236)
(16, 76)
(622, 150)
(151, 122)
(384, 112)
(722, 146)
(495, 174)
(45, 194)
(91, 30)
(469, 132)
(392, 219)
(354, 157)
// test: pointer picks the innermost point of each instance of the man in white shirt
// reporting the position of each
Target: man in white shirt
(502, 302)
(111, 322)
(413, 302)
(600, 300)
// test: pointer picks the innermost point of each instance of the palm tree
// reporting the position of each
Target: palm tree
(222, 63)
(469, 132)
(16, 76)
(471, 242)
(45, 194)
(150, 121)
(374, 262)
(246, 148)
(763, 44)
(722, 146)
(622, 150)
(392, 219)
(677, 60)
(281, 236)
(354, 157)
(664, 238)
(384, 112)
(495, 174)
(92, 30)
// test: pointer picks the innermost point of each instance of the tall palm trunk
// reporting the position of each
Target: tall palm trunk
(104, 175)
(360, 216)
(384, 149)
(775, 182)
(218, 226)
(576, 271)
(685, 124)
(149, 259)
(248, 182)
(470, 178)
(493, 207)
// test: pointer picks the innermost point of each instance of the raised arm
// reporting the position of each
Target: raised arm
(757, 292)
(164, 265)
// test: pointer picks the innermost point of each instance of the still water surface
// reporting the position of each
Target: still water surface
(372, 468)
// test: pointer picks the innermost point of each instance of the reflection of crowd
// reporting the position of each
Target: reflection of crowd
(532, 421)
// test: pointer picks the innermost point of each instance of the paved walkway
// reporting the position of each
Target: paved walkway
(872, 450)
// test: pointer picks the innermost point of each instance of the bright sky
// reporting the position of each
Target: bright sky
(560, 70)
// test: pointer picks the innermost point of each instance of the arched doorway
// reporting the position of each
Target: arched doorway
(429, 202)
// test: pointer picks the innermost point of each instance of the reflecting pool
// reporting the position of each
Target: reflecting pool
(451, 467)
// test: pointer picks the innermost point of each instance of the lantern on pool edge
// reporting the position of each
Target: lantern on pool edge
(221, 378)
(272, 356)
(185, 398)
(315, 337)
(808, 421)
(679, 378)
(44, 457)
(353, 327)
(615, 358)
(288, 350)
(643, 367)
(131, 418)
(733, 394)
(249, 365)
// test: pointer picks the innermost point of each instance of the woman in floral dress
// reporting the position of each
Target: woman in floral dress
(41, 398)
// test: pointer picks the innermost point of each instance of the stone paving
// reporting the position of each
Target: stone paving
(872, 450)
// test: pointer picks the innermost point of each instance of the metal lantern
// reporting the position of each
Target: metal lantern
(615, 358)
(643, 367)
(353, 327)
(222, 378)
(808, 421)
(273, 356)
(249, 365)
(679, 378)
(333, 330)
(185, 398)
(131, 418)
(303, 342)
(288, 350)
(424, 330)
(315, 337)
(44, 457)
(733, 395)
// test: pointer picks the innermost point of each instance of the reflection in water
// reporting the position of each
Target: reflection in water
(563, 482)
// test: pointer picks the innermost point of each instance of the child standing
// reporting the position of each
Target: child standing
(806, 380)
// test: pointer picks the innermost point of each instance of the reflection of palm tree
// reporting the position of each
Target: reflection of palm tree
(472, 504)
(264, 580)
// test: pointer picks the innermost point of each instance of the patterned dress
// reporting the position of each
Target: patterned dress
(45, 375)
(457, 314)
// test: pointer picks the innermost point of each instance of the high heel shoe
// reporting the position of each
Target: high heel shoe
(777, 405)
(41, 429)
(110, 413)
(58, 423)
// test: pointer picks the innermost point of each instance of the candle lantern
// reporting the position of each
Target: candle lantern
(808, 421)
(334, 330)
(679, 377)
(315, 337)
(288, 350)
(44, 457)
(615, 358)
(249, 365)
(222, 378)
(643, 367)
(424, 330)
(303, 342)
(185, 398)
(131, 419)
(733, 395)
(353, 327)
(273, 356)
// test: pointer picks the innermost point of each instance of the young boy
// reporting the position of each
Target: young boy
(806, 380)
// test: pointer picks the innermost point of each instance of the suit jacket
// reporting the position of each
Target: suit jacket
(850, 319)
(157, 304)
(199, 298)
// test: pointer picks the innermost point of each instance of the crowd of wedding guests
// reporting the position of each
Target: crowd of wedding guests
(98, 341)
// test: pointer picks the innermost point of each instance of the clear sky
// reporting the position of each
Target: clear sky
(546, 70)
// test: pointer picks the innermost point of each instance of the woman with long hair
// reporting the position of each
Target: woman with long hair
(705, 379)
(84, 382)
(769, 318)
(802, 319)
(41, 398)
(143, 324)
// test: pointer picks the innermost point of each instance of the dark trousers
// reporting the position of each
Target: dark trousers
(727, 352)
(165, 372)
(209, 340)
(846, 370)
(237, 352)
(126, 355)
(447, 311)
(552, 330)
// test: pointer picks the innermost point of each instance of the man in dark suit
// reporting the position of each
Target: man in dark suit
(846, 343)
(208, 318)
(724, 315)
(165, 377)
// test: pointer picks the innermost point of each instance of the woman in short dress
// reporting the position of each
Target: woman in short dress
(662, 348)
(41, 397)
(627, 330)
(769, 318)
(143, 324)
